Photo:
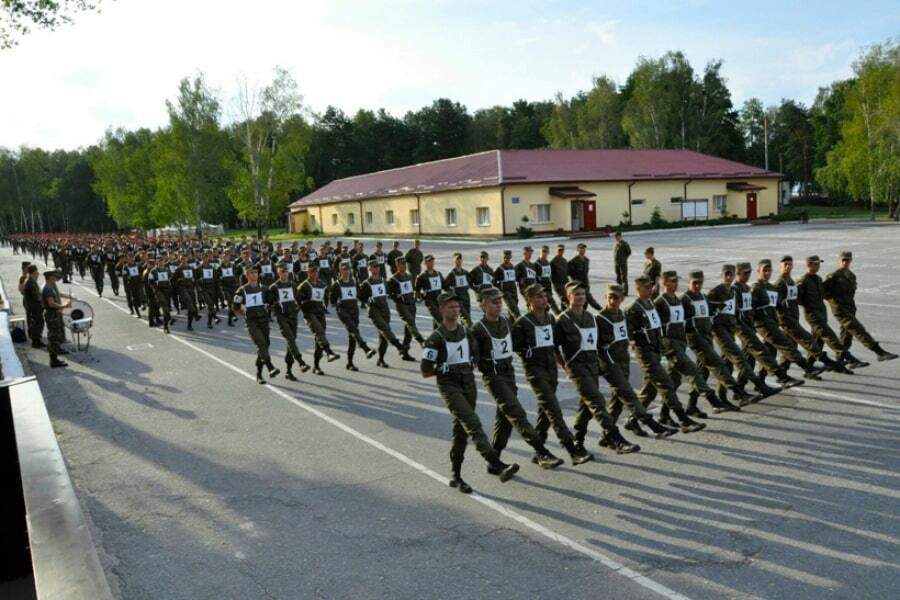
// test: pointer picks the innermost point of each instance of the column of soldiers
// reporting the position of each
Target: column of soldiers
(742, 330)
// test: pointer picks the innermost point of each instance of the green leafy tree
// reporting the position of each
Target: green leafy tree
(19, 17)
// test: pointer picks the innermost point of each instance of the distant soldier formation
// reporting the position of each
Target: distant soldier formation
(745, 327)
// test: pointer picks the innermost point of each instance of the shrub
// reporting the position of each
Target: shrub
(348, 232)
(524, 232)
(305, 230)
(656, 219)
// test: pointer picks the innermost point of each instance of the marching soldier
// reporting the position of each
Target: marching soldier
(184, 287)
(345, 299)
(457, 281)
(428, 287)
(448, 356)
(577, 330)
(811, 296)
(311, 295)
(250, 301)
(493, 334)
(134, 285)
(402, 292)
(380, 258)
(505, 278)
(526, 270)
(53, 307)
(840, 291)
(579, 268)
(373, 294)
(392, 257)
(559, 273)
(646, 331)
(208, 284)
(229, 275)
(652, 270)
(361, 263)
(111, 259)
(621, 252)
(160, 283)
(95, 263)
(545, 277)
(283, 302)
(482, 275)
(414, 260)
(612, 332)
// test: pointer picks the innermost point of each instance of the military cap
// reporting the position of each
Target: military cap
(560, 246)
(373, 262)
(743, 267)
(765, 262)
(417, 242)
(459, 254)
(52, 273)
(281, 266)
(249, 268)
(574, 285)
(484, 254)
(312, 266)
(31, 269)
(695, 275)
(507, 253)
(545, 248)
(787, 258)
(429, 257)
(533, 290)
(400, 259)
(650, 250)
(617, 234)
(643, 281)
(669, 275)
(446, 297)
(813, 260)
(729, 269)
(528, 249)
(615, 289)
(378, 244)
(489, 293)
(847, 254)
(25, 264)
(581, 245)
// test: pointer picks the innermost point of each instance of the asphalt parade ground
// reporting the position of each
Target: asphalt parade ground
(200, 483)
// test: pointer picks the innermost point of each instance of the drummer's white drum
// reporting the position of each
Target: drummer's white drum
(79, 316)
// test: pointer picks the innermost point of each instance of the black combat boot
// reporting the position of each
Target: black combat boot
(688, 425)
(578, 453)
(55, 362)
(692, 408)
(273, 372)
(502, 470)
(456, 480)
(810, 371)
(883, 354)
(665, 418)
(332, 356)
(370, 352)
(764, 389)
(544, 458)
(786, 380)
(288, 365)
(209, 324)
(834, 365)
(634, 427)
(660, 430)
(719, 405)
(614, 440)
(851, 361)
(743, 398)
(259, 376)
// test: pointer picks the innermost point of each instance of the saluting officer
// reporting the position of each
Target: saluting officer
(345, 298)
(373, 294)
(283, 301)
(505, 279)
(401, 290)
(493, 334)
(840, 291)
(311, 295)
(250, 301)
(448, 356)
(429, 284)
(535, 340)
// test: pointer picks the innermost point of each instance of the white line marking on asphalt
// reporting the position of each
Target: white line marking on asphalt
(604, 560)
(845, 398)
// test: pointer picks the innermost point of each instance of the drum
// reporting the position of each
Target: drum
(80, 311)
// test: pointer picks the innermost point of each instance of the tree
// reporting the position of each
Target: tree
(275, 139)
(715, 127)
(20, 16)
(793, 143)
(125, 176)
(440, 130)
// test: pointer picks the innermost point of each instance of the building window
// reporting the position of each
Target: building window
(695, 209)
(677, 199)
(368, 217)
(637, 201)
(414, 217)
(389, 217)
(451, 217)
(484, 216)
(312, 220)
(720, 202)
(540, 213)
(334, 219)
(351, 218)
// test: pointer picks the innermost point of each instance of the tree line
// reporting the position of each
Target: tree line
(244, 162)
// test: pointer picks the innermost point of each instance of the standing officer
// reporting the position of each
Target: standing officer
(392, 257)
(428, 287)
(345, 298)
(559, 273)
(250, 301)
(577, 330)
(811, 296)
(458, 282)
(545, 277)
(401, 290)
(373, 294)
(311, 295)
(493, 334)
(414, 260)
(535, 338)
(652, 271)
(448, 356)
(33, 301)
(840, 291)
(621, 252)
(53, 306)
(283, 302)
(505, 277)
(579, 268)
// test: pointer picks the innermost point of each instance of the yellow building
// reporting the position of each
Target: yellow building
(558, 191)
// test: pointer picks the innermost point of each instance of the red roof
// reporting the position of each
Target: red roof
(499, 167)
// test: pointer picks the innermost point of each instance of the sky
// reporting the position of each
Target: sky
(63, 89)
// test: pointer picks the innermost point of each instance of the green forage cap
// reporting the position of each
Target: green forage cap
(670, 275)
(616, 290)
(847, 254)
(744, 267)
(534, 289)
(729, 269)
(446, 297)
(643, 282)
(813, 260)
(765, 262)
(490, 293)
(574, 285)
(695, 275)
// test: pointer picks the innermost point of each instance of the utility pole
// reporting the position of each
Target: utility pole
(766, 138)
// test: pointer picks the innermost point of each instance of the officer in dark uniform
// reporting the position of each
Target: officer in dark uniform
(401, 289)
(652, 271)
(458, 282)
(577, 330)
(535, 340)
(250, 301)
(559, 273)
(579, 269)
(414, 260)
(392, 257)
(345, 298)
(621, 252)
(53, 306)
(428, 286)
(311, 296)
(493, 334)
(505, 280)
(545, 277)
(373, 294)
(840, 291)
(283, 302)
(33, 301)
(811, 296)
(448, 355)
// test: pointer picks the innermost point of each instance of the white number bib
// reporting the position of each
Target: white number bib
(588, 338)
(728, 307)
(133, 271)
(285, 295)
(701, 309)
(266, 269)
(380, 259)
(620, 330)
(254, 299)
(173, 268)
(676, 315)
(509, 275)
(227, 272)
(323, 263)
(318, 294)
(458, 352)
(773, 297)
(434, 283)
(487, 279)
(187, 274)
(545, 271)
(746, 301)
(462, 281)
(162, 276)
(348, 292)
(529, 273)
(653, 317)
(378, 290)
(502, 347)
(406, 287)
(361, 264)
(792, 292)
(543, 336)
(207, 273)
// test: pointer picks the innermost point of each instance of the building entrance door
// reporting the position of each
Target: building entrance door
(590, 215)
(751, 206)
(577, 216)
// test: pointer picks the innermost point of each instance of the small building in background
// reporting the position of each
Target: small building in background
(550, 191)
